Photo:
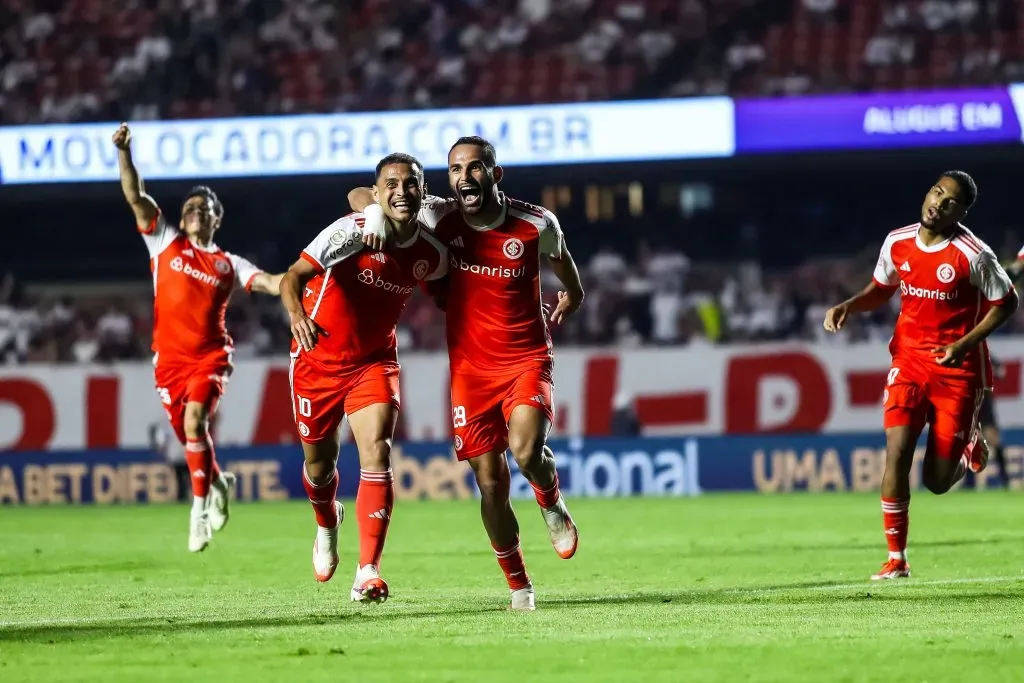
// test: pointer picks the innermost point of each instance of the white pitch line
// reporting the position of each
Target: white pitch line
(908, 583)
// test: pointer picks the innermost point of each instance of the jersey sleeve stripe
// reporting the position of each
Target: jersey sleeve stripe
(971, 240)
(248, 283)
(305, 256)
(151, 228)
(970, 245)
(910, 229)
(526, 208)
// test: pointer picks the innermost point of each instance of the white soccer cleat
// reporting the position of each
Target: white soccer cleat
(561, 529)
(523, 600)
(325, 548)
(220, 497)
(199, 533)
(369, 586)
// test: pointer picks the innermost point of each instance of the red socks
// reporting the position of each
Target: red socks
(202, 465)
(375, 500)
(510, 560)
(322, 498)
(547, 498)
(896, 519)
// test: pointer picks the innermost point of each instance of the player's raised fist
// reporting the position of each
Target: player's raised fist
(122, 137)
(835, 318)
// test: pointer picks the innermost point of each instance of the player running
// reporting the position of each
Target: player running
(193, 279)
(954, 295)
(344, 303)
(499, 349)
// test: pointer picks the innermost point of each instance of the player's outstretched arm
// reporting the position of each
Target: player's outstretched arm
(360, 198)
(569, 300)
(143, 206)
(867, 299)
(265, 283)
(292, 284)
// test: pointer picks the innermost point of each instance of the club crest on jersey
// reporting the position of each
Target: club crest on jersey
(419, 269)
(946, 273)
(513, 248)
(338, 238)
(223, 267)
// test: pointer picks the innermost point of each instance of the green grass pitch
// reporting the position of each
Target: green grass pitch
(716, 588)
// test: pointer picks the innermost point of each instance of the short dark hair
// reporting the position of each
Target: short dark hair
(399, 158)
(206, 193)
(968, 188)
(490, 157)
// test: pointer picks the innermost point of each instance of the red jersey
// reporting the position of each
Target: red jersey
(494, 319)
(358, 295)
(191, 288)
(946, 289)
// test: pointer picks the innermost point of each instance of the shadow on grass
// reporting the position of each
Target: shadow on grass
(78, 569)
(698, 550)
(822, 593)
(76, 631)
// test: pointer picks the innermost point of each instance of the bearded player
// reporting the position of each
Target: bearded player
(499, 347)
(954, 295)
(193, 279)
(344, 302)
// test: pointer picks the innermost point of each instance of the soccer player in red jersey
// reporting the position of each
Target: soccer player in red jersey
(954, 295)
(344, 302)
(193, 279)
(499, 349)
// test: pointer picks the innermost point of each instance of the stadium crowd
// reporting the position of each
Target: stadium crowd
(89, 60)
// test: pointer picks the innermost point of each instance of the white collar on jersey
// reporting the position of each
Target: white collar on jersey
(938, 246)
(409, 242)
(498, 221)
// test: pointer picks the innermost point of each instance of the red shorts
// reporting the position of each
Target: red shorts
(483, 402)
(915, 395)
(179, 383)
(321, 396)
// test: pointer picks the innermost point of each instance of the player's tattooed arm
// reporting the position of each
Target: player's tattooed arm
(292, 285)
(265, 283)
(867, 299)
(143, 206)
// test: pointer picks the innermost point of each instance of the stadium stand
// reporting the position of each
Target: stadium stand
(84, 60)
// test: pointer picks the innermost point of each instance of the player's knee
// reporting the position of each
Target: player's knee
(527, 449)
(196, 422)
(493, 489)
(376, 455)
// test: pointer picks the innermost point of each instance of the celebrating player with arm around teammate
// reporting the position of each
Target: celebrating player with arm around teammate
(192, 281)
(344, 303)
(499, 347)
(954, 295)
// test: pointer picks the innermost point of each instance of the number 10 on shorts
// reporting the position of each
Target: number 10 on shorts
(459, 416)
(305, 407)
